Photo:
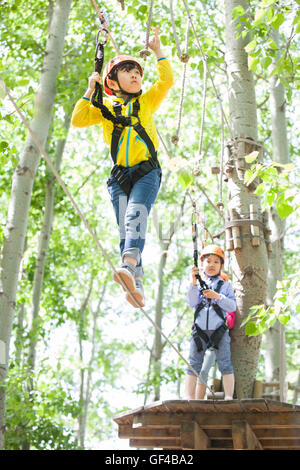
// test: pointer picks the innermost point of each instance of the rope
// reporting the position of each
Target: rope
(104, 26)
(174, 29)
(144, 53)
(82, 217)
(197, 216)
(203, 108)
(220, 204)
(175, 138)
(208, 70)
(184, 57)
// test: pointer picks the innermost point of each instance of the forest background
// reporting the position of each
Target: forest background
(78, 353)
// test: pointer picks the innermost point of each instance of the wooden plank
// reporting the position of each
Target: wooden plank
(278, 433)
(217, 444)
(228, 406)
(244, 437)
(209, 406)
(193, 437)
(274, 405)
(257, 405)
(155, 443)
(220, 420)
(127, 432)
(189, 406)
(281, 446)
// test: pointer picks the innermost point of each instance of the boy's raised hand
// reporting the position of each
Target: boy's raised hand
(154, 43)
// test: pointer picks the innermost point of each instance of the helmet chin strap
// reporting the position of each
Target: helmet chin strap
(120, 90)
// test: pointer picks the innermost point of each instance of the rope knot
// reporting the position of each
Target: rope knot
(144, 53)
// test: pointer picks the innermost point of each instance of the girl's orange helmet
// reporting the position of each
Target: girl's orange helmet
(213, 250)
(113, 63)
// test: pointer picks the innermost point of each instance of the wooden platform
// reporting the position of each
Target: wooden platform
(212, 425)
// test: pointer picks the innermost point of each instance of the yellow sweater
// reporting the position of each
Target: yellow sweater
(132, 149)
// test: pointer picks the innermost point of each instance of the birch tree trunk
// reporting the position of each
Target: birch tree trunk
(275, 360)
(248, 254)
(22, 183)
(164, 242)
(81, 417)
(43, 244)
(87, 371)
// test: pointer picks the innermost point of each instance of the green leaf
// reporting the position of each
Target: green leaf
(250, 46)
(252, 63)
(3, 145)
(261, 189)
(284, 209)
(272, 44)
(237, 11)
(252, 329)
(269, 175)
(185, 179)
(251, 157)
(266, 62)
(259, 17)
(284, 319)
(278, 20)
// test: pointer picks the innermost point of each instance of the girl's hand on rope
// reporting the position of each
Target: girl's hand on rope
(154, 43)
(211, 294)
(95, 77)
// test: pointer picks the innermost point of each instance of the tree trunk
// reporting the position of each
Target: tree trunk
(81, 421)
(86, 378)
(275, 359)
(248, 254)
(43, 245)
(164, 241)
(23, 178)
(157, 346)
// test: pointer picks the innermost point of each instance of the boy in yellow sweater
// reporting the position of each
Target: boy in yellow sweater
(135, 177)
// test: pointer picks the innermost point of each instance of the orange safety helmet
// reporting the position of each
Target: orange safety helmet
(119, 59)
(213, 250)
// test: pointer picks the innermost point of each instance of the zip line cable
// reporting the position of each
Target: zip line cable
(88, 227)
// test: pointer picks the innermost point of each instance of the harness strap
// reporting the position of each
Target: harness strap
(144, 167)
(217, 335)
(216, 307)
(139, 129)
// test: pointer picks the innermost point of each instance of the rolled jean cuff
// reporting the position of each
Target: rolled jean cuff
(132, 253)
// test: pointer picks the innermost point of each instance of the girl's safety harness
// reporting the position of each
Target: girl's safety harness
(198, 333)
(120, 122)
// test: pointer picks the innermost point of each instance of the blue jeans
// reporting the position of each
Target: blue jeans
(223, 355)
(132, 212)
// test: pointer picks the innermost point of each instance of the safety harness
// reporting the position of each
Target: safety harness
(120, 122)
(198, 333)
(143, 167)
